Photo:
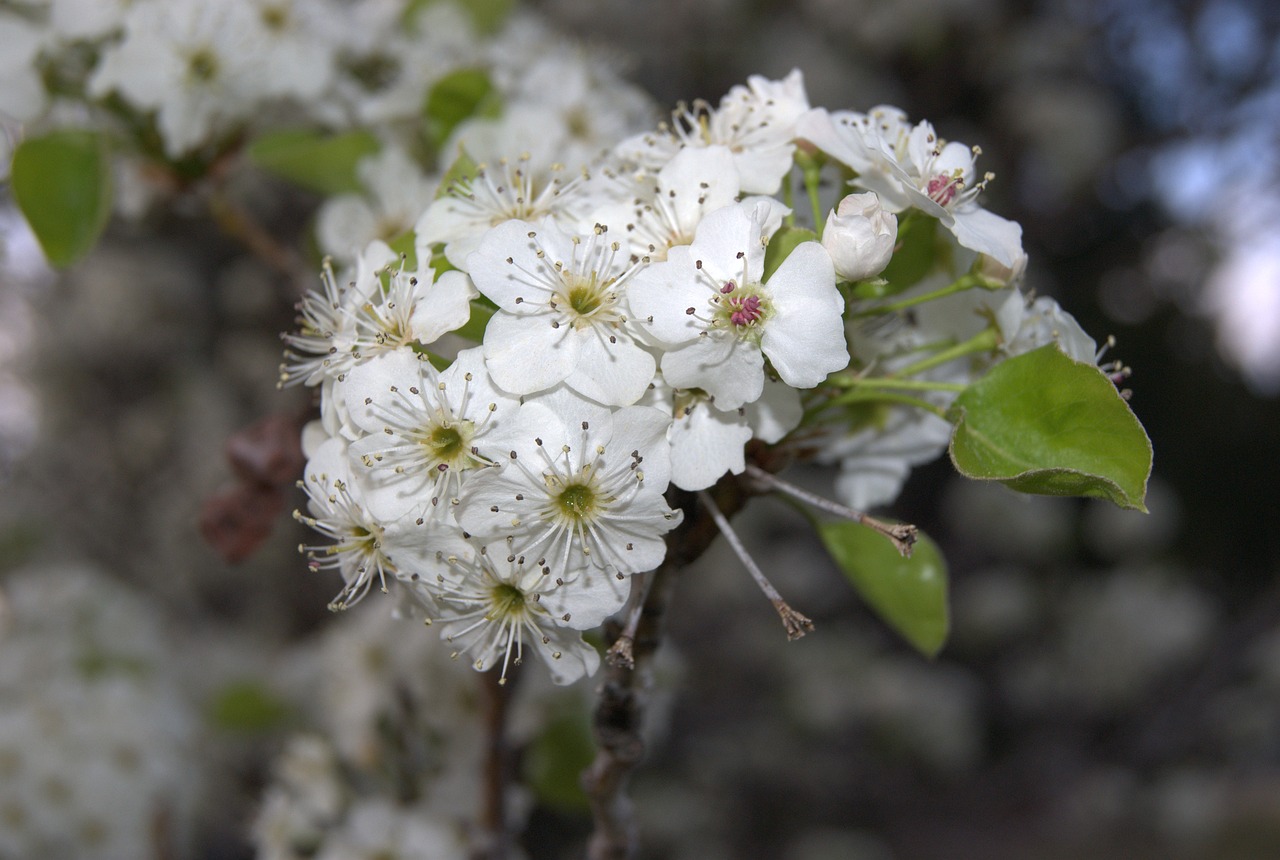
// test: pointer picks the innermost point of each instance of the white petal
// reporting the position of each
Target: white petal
(805, 338)
(525, 354)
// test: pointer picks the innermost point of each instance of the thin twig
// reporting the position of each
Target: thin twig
(903, 535)
(621, 652)
(797, 625)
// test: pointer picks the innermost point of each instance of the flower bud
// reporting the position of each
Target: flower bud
(860, 237)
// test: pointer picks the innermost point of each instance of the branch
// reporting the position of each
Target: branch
(624, 693)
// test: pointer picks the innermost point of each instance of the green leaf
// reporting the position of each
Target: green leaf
(913, 259)
(782, 244)
(463, 169)
(487, 15)
(481, 310)
(247, 706)
(62, 184)
(1043, 423)
(456, 97)
(320, 162)
(909, 594)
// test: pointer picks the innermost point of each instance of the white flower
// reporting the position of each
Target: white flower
(504, 191)
(709, 305)
(706, 442)
(667, 209)
(756, 122)
(396, 193)
(860, 236)
(581, 485)
(189, 61)
(1025, 325)
(562, 316)
(345, 325)
(428, 431)
(498, 601)
(363, 546)
(911, 167)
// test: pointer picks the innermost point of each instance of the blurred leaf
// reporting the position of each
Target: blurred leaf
(1044, 423)
(912, 260)
(247, 706)
(782, 244)
(463, 169)
(554, 762)
(481, 310)
(456, 97)
(312, 159)
(62, 184)
(487, 15)
(909, 594)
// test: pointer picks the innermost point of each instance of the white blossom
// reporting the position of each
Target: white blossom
(860, 236)
(562, 315)
(710, 307)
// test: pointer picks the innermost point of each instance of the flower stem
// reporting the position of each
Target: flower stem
(902, 535)
(797, 625)
(494, 840)
(984, 341)
(961, 284)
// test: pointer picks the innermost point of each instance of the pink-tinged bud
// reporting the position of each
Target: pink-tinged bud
(860, 237)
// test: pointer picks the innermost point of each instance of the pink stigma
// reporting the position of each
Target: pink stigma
(942, 189)
(745, 311)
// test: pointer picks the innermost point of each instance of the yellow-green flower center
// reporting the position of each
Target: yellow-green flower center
(506, 599)
(577, 501)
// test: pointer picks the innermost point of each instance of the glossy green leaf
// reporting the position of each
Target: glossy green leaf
(1044, 423)
(782, 244)
(909, 594)
(456, 97)
(320, 162)
(912, 260)
(62, 183)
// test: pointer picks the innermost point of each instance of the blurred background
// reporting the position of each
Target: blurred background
(1112, 684)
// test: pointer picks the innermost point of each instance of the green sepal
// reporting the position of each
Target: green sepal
(782, 244)
(62, 183)
(1046, 424)
(320, 162)
(909, 594)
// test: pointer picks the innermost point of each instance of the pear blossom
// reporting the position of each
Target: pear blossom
(582, 484)
(562, 314)
(911, 167)
(1025, 325)
(396, 191)
(503, 191)
(860, 236)
(709, 306)
(497, 601)
(345, 325)
(428, 431)
(756, 122)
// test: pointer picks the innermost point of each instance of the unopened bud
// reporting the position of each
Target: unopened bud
(860, 237)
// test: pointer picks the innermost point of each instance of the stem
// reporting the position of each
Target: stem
(494, 841)
(877, 382)
(984, 341)
(966, 282)
(812, 177)
(787, 199)
(902, 535)
(237, 223)
(624, 691)
(884, 397)
(797, 625)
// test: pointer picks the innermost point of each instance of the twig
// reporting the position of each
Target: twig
(624, 692)
(797, 625)
(903, 535)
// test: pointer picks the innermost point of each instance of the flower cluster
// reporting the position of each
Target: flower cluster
(504, 408)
